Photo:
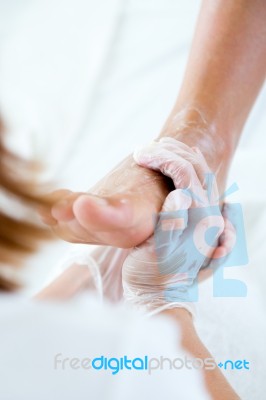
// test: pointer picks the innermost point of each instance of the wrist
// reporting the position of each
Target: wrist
(183, 318)
(179, 314)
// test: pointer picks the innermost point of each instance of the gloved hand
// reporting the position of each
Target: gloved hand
(104, 265)
(160, 273)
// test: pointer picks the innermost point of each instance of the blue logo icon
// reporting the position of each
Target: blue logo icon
(183, 251)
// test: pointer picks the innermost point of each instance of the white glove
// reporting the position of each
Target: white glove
(104, 264)
(159, 274)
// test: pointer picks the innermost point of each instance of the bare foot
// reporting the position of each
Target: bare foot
(118, 211)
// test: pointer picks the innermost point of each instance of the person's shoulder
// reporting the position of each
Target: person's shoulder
(86, 315)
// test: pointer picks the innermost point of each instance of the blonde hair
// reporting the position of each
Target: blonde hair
(19, 237)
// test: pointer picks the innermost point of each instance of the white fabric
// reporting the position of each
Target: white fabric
(32, 335)
(83, 78)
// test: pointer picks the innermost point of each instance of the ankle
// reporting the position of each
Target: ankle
(215, 146)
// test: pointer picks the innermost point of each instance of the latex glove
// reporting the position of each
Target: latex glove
(110, 261)
(160, 273)
(74, 274)
(103, 263)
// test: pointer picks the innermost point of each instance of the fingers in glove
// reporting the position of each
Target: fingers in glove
(181, 171)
